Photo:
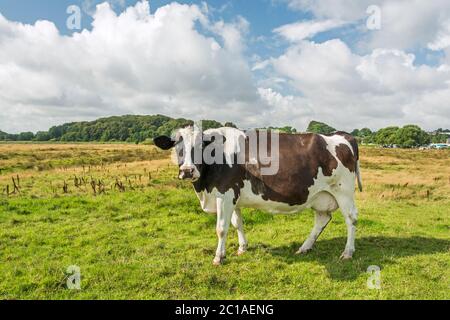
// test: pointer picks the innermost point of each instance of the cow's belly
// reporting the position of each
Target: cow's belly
(319, 199)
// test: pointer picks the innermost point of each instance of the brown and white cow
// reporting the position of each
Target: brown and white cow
(314, 171)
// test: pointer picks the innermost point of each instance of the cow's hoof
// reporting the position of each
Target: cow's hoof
(240, 252)
(346, 255)
(218, 261)
(303, 250)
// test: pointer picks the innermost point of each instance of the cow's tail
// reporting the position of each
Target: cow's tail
(358, 176)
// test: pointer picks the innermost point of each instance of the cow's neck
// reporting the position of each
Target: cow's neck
(200, 184)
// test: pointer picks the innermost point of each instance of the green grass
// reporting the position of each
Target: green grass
(154, 242)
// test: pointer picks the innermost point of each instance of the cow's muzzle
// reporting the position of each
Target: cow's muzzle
(189, 174)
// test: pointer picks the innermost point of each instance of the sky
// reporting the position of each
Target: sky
(351, 64)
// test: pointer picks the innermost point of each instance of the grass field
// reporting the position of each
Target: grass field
(118, 213)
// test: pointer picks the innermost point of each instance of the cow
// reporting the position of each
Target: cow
(314, 171)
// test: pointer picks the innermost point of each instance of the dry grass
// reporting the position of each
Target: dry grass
(405, 174)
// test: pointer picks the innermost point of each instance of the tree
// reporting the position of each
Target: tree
(386, 136)
(42, 136)
(407, 137)
(320, 127)
(365, 132)
(411, 136)
(3, 135)
(439, 138)
(365, 135)
(210, 124)
(285, 129)
(25, 136)
(230, 125)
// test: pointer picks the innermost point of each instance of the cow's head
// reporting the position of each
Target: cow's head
(187, 143)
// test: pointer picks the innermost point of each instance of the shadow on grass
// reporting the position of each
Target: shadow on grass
(378, 251)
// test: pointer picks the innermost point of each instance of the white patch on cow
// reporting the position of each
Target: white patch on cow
(340, 183)
(208, 200)
(334, 141)
(324, 202)
(191, 136)
(231, 144)
(248, 199)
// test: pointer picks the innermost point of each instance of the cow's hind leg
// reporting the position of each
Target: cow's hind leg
(321, 221)
(225, 208)
(350, 213)
(236, 220)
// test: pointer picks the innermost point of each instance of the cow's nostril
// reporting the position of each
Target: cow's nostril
(187, 173)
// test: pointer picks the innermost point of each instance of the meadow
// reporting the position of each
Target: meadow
(118, 212)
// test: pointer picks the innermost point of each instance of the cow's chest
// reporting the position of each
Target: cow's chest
(208, 200)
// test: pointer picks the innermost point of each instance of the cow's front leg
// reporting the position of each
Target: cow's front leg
(225, 208)
(237, 222)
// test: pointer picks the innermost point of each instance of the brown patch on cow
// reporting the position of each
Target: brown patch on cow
(346, 156)
(300, 157)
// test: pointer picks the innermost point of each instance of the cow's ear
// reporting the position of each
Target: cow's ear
(164, 142)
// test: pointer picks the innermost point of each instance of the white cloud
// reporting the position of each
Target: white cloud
(285, 109)
(374, 90)
(260, 65)
(89, 6)
(135, 62)
(307, 29)
(335, 9)
(311, 66)
(405, 24)
(232, 33)
(442, 38)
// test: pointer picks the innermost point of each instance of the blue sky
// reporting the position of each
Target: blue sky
(266, 62)
(264, 15)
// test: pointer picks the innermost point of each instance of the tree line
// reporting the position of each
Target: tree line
(408, 136)
(137, 128)
(128, 128)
